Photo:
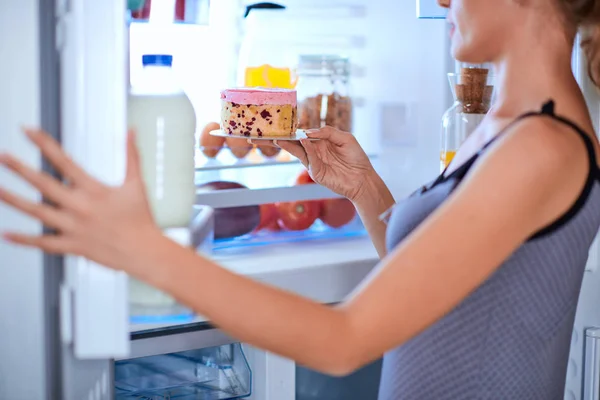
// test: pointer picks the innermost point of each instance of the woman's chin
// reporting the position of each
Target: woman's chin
(466, 55)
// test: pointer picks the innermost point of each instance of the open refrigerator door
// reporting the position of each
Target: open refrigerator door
(92, 45)
(91, 41)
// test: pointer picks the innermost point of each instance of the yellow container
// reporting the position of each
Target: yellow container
(269, 77)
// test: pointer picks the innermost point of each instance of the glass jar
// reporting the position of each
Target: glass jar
(323, 87)
(473, 91)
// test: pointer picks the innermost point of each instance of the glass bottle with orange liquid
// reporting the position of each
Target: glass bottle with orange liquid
(472, 89)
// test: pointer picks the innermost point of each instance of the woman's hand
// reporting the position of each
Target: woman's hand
(105, 224)
(335, 161)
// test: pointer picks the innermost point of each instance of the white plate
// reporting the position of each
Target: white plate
(300, 134)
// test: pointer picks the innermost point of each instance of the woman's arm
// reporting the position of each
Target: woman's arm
(518, 189)
(527, 181)
(374, 200)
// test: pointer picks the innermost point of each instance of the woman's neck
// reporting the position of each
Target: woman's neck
(530, 75)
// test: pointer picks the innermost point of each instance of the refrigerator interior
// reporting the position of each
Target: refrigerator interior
(399, 93)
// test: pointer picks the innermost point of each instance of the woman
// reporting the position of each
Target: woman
(476, 292)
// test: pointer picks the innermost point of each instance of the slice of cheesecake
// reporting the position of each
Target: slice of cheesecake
(258, 112)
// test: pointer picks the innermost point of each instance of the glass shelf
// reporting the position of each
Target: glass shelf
(253, 171)
(318, 230)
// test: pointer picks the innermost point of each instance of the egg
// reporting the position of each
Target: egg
(209, 144)
(238, 146)
(269, 151)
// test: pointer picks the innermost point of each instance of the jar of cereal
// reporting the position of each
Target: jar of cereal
(323, 87)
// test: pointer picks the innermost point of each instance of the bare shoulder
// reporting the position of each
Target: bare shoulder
(542, 147)
(549, 146)
(539, 163)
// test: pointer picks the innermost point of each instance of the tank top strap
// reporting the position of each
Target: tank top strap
(548, 109)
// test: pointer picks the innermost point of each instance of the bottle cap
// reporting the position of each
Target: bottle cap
(164, 60)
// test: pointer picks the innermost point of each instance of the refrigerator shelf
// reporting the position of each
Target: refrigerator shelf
(226, 159)
(268, 182)
(318, 231)
(244, 246)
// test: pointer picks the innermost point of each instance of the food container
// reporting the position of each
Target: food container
(186, 11)
(323, 88)
(472, 89)
(263, 59)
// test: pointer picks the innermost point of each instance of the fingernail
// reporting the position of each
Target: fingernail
(276, 143)
(249, 141)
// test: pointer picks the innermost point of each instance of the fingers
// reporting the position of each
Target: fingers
(133, 158)
(311, 152)
(46, 184)
(295, 149)
(335, 136)
(48, 215)
(55, 154)
(48, 243)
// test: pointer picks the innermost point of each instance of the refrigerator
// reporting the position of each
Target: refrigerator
(68, 331)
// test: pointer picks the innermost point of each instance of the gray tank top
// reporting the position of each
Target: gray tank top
(509, 339)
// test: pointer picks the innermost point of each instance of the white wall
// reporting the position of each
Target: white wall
(21, 277)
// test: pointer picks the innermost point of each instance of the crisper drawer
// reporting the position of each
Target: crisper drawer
(215, 373)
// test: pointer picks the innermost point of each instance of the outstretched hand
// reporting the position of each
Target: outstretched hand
(102, 223)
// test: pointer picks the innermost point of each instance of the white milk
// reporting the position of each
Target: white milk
(165, 124)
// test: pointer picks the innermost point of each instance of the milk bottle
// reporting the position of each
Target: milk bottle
(165, 124)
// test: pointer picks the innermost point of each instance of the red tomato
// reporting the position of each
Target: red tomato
(298, 215)
(268, 216)
(337, 212)
(304, 178)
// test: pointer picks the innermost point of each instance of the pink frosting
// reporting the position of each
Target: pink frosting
(259, 96)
